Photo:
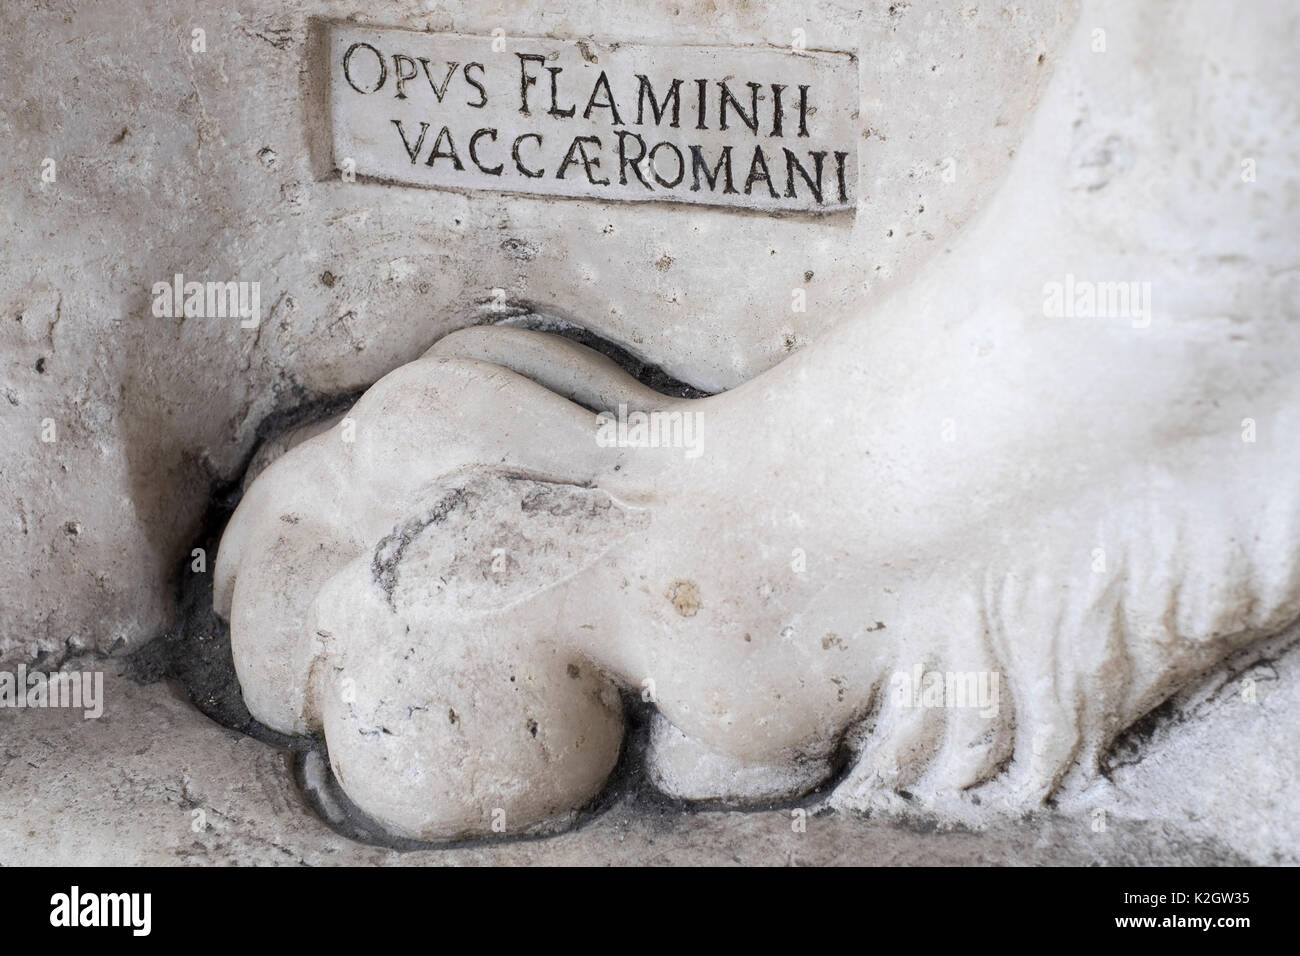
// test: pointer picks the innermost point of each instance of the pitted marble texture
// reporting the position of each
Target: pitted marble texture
(1083, 507)
(193, 793)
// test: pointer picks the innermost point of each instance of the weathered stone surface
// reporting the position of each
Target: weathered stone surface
(77, 792)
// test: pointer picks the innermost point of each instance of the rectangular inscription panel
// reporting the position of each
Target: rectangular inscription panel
(756, 128)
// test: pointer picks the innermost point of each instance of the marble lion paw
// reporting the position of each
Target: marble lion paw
(457, 607)
(959, 543)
